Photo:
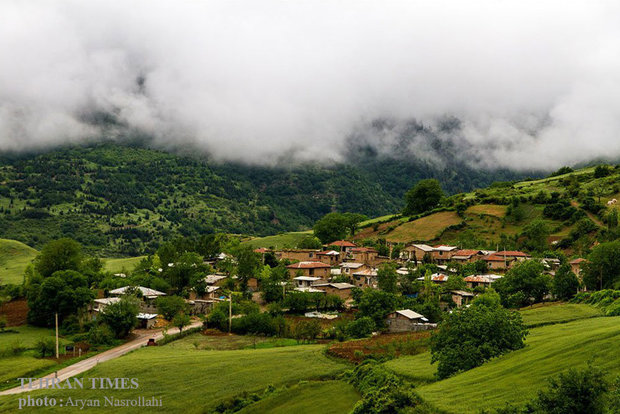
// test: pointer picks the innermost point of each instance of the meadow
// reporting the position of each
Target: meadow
(279, 241)
(122, 265)
(14, 257)
(196, 381)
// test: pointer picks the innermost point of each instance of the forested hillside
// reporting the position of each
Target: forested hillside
(125, 199)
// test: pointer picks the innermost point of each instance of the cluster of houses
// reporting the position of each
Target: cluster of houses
(321, 271)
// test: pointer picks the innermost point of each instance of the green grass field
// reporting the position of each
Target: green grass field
(26, 335)
(558, 313)
(324, 397)
(14, 257)
(125, 264)
(415, 368)
(516, 377)
(279, 241)
(195, 381)
(425, 228)
(18, 366)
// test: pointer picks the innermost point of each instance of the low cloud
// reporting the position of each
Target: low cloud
(530, 85)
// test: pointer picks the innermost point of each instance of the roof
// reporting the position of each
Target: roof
(578, 261)
(342, 243)
(212, 279)
(107, 301)
(512, 253)
(308, 265)
(497, 258)
(462, 293)
(309, 290)
(146, 315)
(424, 247)
(262, 250)
(307, 278)
(147, 292)
(351, 265)
(482, 278)
(341, 286)
(444, 248)
(436, 277)
(211, 289)
(300, 250)
(409, 314)
(329, 253)
(465, 253)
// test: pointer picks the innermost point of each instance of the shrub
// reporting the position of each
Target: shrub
(361, 328)
(100, 335)
(45, 346)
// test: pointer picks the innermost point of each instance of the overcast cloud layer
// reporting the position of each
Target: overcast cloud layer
(534, 85)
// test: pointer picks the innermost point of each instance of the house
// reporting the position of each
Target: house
(366, 255)
(315, 269)
(301, 255)
(520, 256)
(147, 320)
(406, 320)
(100, 304)
(576, 266)
(551, 263)
(348, 268)
(211, 292)
(342, 290)
(436, 278)
(416, 252)
(306, 281)
(466, 256)
(343, 245)
(366, 277)
(461, 297)
(481, 280)
(442, 254)
(496, 262)
(149, 296)
(330, 257)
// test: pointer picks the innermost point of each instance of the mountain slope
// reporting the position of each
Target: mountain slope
(125, 199)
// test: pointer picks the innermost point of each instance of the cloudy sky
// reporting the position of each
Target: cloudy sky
(535, 85)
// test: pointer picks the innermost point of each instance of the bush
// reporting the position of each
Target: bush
(100, 335)
(361, 328)
(45, 346)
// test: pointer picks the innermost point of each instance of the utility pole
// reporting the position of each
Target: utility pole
(56, 317)
(230, 314)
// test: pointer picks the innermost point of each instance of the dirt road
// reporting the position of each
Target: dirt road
(86, 364)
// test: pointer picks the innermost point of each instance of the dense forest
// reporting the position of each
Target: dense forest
(126, 199)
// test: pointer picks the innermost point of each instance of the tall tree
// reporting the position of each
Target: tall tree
(423, 197)
(61, 254)
(602, 271)
(331, 227)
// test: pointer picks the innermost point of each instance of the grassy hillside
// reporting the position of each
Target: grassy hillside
(552, 313)
(279, 241)
(195, 381)
(14, 257)
(120, 265)
(325, 397)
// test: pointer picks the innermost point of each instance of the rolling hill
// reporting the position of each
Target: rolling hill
(14, 257)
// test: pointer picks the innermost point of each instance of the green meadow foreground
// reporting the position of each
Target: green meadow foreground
(196, 373)
(14, 257)
(195, 381)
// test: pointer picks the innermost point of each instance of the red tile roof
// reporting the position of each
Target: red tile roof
(363, 250)
(307, 265)
(342, 243)
(466, 252)
(512, 253)
(261, 250)
(497, 258)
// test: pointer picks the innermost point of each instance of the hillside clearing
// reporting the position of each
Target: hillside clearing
(279, 241)
(488, 209)
(125, 264)
(14, 257)
(552, 313)
(424, 229)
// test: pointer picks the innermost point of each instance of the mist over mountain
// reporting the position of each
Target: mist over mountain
(519, 85)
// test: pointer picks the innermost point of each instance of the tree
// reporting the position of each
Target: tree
(64, 292)
(352, 220)
(61, 254)
(121, 316)
(181, 320)
(536, 234)
(424, 196)
(170, 306)
(469, 336)
(602, 271)
(523, 284)
(387, 278)
(565, 283)
(376, 304)
(601, 171)
(248, 264)
(310, 242)
(360, 328)
(331, 227)
(576, 391)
